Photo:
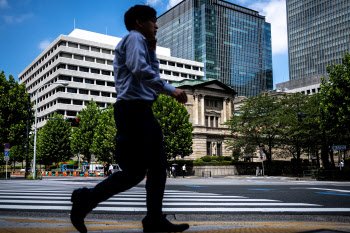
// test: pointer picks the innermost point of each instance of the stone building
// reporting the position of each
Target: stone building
(210, 105)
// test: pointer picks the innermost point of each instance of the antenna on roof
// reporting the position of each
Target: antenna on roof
(74, 23)
(106, 30)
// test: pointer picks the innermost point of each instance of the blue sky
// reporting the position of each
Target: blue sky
(27, 27)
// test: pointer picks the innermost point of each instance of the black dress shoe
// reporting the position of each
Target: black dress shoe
(162, 225)
(79, 209)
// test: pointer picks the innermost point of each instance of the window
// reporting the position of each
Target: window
(85, 47)
(180, 65)
(60, 89)
(105, 94)
(187, 67)
(90, 59)
(70, 67)
(162, 62)
(206, 121)
(64, 101)
(71, 90)
(102, 105)
(101, 83)
(78, 57)
(71, 113)
(79, 80)
(171, 63)
(109, 62)
(89, 81)
(83, 69)
(195, 68)
(65, 78)
(73, 45)
(114, 95)
(62, 66)
(167, 72)
(95, 71)
(66, 55)
(106, 51)
(183, 75)
(77, 102)
(105, 72)
(94, 93)
(211, 121)
(95, 49)
(84, 92)
(175, 74)
(208, 148)
(110, 84)
(101, 61)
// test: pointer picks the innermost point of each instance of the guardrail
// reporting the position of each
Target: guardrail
(56, 173)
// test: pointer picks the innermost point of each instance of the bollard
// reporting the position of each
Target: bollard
(86, 174)
(64, 174)
(56, 173)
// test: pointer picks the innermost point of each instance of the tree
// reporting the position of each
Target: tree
(53, 144)
(174, 120)
(13, 111)
(258, 125)
(104, 143)
(83, 136)
(335, 105)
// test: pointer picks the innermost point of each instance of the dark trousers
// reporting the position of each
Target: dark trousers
(140, 152)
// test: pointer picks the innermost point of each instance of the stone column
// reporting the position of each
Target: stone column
(195, 109)
(202, 110)
(229, 108)
(224, 107)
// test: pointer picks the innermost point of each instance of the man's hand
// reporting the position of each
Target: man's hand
(179, 95)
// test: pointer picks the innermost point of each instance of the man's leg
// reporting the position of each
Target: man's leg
(155, 221)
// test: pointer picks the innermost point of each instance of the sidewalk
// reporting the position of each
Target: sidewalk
(13, 224)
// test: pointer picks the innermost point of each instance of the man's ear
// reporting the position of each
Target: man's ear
(138, 23)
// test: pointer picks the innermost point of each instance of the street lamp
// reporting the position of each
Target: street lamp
(36, 121)
(218, 149)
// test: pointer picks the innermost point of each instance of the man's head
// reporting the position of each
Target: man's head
(143, 19)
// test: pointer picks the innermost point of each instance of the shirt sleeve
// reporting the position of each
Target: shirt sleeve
(145, 66)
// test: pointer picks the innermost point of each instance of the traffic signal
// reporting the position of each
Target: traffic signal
(74, 122)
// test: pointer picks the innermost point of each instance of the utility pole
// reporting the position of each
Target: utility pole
(29, 114)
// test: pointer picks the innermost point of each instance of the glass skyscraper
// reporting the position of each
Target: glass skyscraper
(318, 35)
(233, 42)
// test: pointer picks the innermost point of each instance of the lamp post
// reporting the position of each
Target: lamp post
(218, 149)
(36, 121)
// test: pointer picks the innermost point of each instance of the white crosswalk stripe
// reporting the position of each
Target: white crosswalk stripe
(57, 198)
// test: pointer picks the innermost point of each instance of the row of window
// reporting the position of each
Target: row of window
(86, 58)
(180, 65)
(86, 69)
(87, 47)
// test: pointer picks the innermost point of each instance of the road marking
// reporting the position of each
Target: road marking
(334, 190)
(338, 194)
(164, 203)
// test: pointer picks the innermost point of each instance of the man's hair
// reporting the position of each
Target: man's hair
(138, 12)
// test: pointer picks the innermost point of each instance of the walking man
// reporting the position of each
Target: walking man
(183, 170)
(139, 137)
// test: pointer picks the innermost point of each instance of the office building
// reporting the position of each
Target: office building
(233, 42)
(84, 60)
(318, 35)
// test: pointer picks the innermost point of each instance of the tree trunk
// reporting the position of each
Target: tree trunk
(318, 159)
(332, 159)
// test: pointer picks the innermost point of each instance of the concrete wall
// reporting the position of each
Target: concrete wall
(207, 171)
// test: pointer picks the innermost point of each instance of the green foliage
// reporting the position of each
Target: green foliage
(174, 120)
(83, 136)
(257, 125)
(227, 158)
(53, 143)
(103, 145)
(207, 158)
(13, 112)
(335, 103)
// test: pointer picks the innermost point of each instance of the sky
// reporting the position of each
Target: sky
(27, 27)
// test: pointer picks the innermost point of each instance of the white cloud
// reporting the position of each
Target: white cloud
(4, 4)
(275, 12)
(44, 44)
(16, 19)
(153, 2)
(172, 3)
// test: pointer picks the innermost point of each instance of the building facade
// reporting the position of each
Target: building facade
(233, 42)
(318, 35)
(210, 105)
(84, 60)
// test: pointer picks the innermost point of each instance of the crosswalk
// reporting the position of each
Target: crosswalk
(57, 198)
